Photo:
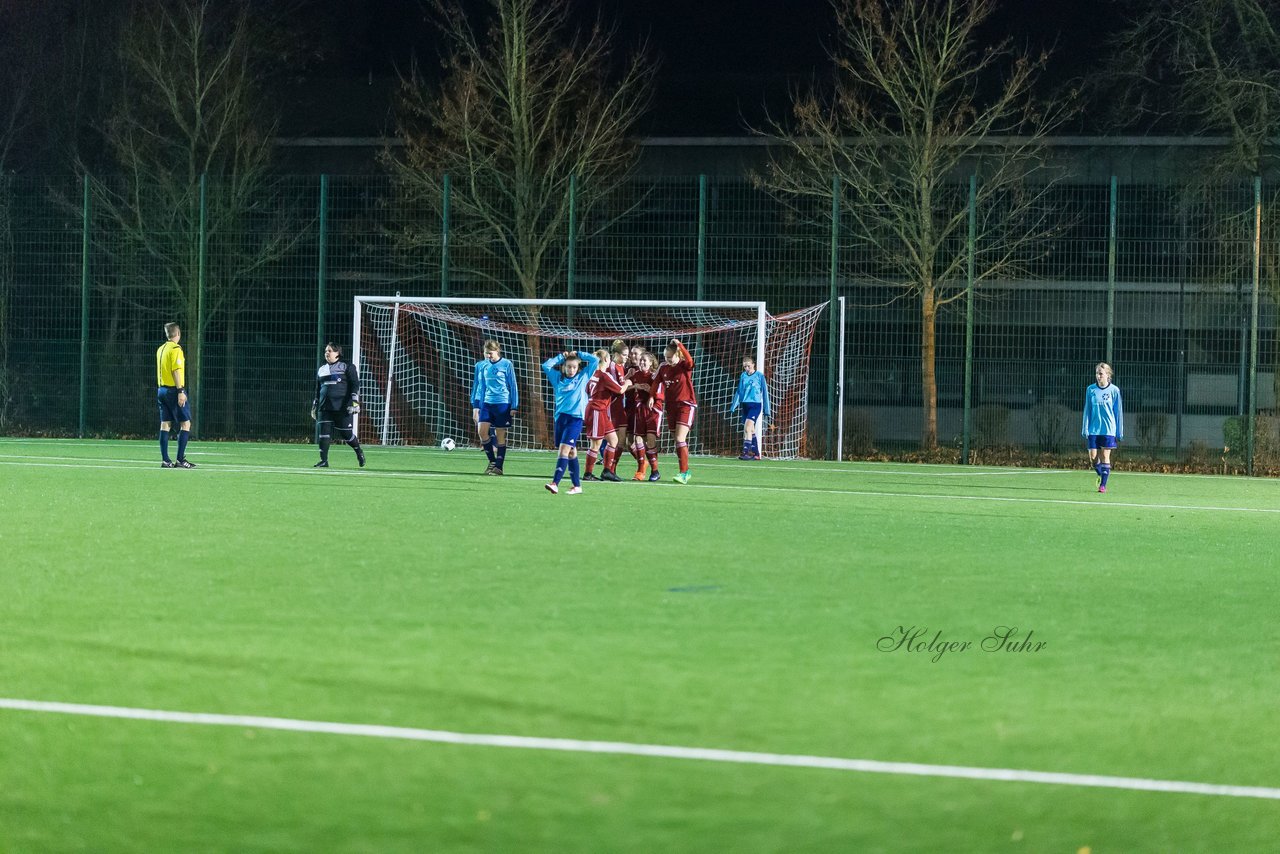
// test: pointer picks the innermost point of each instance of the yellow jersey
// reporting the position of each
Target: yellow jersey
(168, 360)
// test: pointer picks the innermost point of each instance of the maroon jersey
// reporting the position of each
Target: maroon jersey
(639, 396)
(677, 380)
(602, 389)
(618, 407)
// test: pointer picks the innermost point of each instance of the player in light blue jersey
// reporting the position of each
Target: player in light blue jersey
(494, 400)
(569, 373)
(753, 396)
(1103, 426)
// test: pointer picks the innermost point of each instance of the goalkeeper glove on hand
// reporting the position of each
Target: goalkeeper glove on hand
(354, 408)
(313, 412)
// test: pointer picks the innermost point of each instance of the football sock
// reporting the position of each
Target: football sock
(610, 458)
(755, 445)
(682, 454)
(1097, 469)
(573, 472)
(591, 460)
(183, 436)
(488, 452)
(1105, 472)
(164, 446)
(323, 441)
(562, 463)
(502, 455)
(746, 446)
(652, 456)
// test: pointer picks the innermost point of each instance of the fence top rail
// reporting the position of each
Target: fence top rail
(590, 303)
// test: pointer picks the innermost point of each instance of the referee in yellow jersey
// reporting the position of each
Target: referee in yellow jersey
(171, 398)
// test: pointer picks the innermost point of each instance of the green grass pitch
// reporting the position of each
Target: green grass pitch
(744, 611)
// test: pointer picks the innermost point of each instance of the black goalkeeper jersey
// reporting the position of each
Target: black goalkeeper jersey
(337, 386)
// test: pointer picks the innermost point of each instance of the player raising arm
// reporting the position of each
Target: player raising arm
(675, 382)
(753, 396)
(568, 374)
(494, 400)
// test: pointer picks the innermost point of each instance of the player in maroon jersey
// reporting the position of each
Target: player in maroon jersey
(620, 354)
(602, 390)
(646, 415)
(675, 379)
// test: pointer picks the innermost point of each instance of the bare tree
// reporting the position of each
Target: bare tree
(916, 107)
(1203, 67)
(1210, 68)
(189, 109)
(526, 102)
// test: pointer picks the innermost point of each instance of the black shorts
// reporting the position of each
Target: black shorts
(339, 418)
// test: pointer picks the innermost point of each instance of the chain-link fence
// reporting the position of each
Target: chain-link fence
(1174, 288)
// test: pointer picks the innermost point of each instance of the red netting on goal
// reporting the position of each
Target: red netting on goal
(418, 356)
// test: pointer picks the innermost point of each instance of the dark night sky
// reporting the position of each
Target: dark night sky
(721, 60)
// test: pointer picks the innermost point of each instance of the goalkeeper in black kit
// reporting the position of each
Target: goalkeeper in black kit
(337, 399)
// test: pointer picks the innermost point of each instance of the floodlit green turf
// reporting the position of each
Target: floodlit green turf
(742, 611)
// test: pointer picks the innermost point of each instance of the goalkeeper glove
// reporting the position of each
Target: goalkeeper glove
(354, 408)
(313, 412)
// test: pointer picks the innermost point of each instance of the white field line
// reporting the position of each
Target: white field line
(1101, 502)
(217, 468)
(921, 470)
(906, 469)
(130, 465)
(619, 748)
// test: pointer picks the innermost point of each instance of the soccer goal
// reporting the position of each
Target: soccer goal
(417, 357)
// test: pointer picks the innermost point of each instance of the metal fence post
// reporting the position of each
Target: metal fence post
(968, 319)
(446, 202)
(571, 264)
(572, 261)
(201, 266)
(834, 312)
(702, 238)
(84, 309)
(1111, 271)
(322, 266)
(1253, 316)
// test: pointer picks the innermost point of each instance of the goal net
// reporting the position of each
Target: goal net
(417, 358)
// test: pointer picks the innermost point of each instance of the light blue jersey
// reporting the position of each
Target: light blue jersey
(495, 382)
(751, 389)
(571, 392)
(1103, 412)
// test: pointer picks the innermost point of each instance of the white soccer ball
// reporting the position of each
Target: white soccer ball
(447, 444)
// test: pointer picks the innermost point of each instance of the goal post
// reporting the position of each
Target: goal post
(416, 358)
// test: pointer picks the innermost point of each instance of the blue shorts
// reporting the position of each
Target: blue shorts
(167, 403)
(568, 429)
(1096, 442)
(495, 414)
(751, 412)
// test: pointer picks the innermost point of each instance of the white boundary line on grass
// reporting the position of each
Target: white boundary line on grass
(133, 465)
(1101, 502)
(218, 468)
(853, 467)
(620, 748)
